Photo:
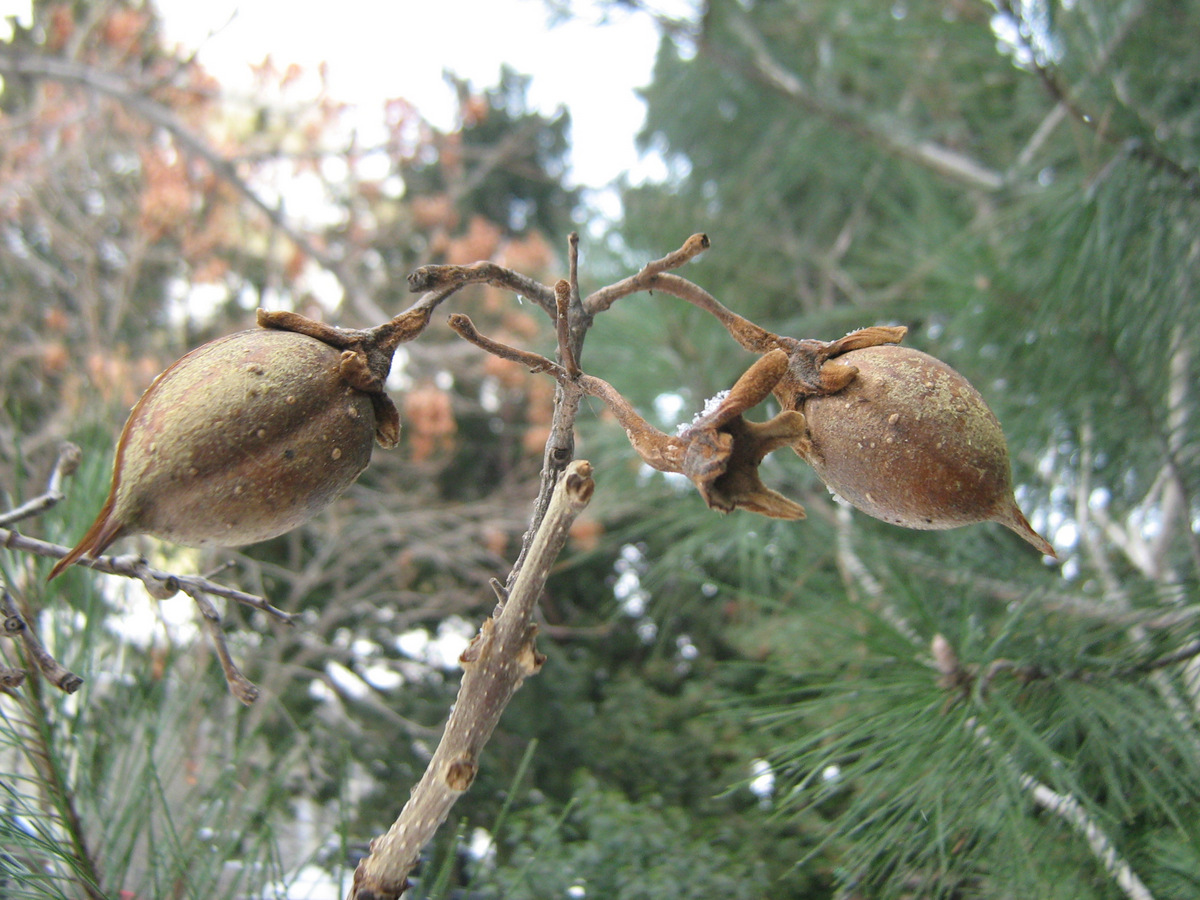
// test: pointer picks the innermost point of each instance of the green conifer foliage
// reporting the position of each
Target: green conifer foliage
(946, 715)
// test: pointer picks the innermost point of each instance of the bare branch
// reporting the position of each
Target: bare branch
(17, 625)
(69, 457)
(159, 583)
(742, 330)
(239, 685)
(605, 297)
(452, 278)
(495, 665)
(462, 325)
(562, 296)
(162, 585)
(132, 95)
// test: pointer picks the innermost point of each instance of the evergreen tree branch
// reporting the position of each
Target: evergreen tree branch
(1140, 146)
(1059, 112)
(764, 68)
(495, 665)
(37, 745)
(1065, 806)
(1006, 592)
(1114, 592)
(854, 571)
(1070, 810)
(1177, 498)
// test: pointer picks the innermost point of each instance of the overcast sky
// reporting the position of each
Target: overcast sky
(379, 50)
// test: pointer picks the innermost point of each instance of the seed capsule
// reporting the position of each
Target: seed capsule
(908, 440)
(250, 435)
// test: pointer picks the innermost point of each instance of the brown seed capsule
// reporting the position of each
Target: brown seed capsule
(248, 436)
(911, 442)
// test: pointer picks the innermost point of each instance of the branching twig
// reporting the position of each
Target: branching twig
(136, 99)
(451, 278)
(643, 280)
(496, 663)
(68, 460)
(502, 655)
(17, 625)
(160, 584)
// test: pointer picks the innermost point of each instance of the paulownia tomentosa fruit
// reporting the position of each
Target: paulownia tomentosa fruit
(250, 435)
(893, 431)
(908, 440)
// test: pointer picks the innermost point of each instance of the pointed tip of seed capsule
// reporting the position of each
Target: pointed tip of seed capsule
(1013, 519)
(102, 533)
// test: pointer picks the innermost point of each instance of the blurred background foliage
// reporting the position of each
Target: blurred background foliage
(731, 706)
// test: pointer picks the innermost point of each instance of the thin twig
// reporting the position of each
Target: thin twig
(159, 583)
(602, 299)
(432, 299)
(562, 297)
(451, 278)
(69, 457)
(495, 665)
(573, 265)
(655, 276)
(162, 585)
(239, 685)
(57, 674)
(462, 325)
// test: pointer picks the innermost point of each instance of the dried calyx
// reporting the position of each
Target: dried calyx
(721, 450)
(250, 435)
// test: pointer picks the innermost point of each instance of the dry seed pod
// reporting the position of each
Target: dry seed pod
(911, 442)
(250, 435)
